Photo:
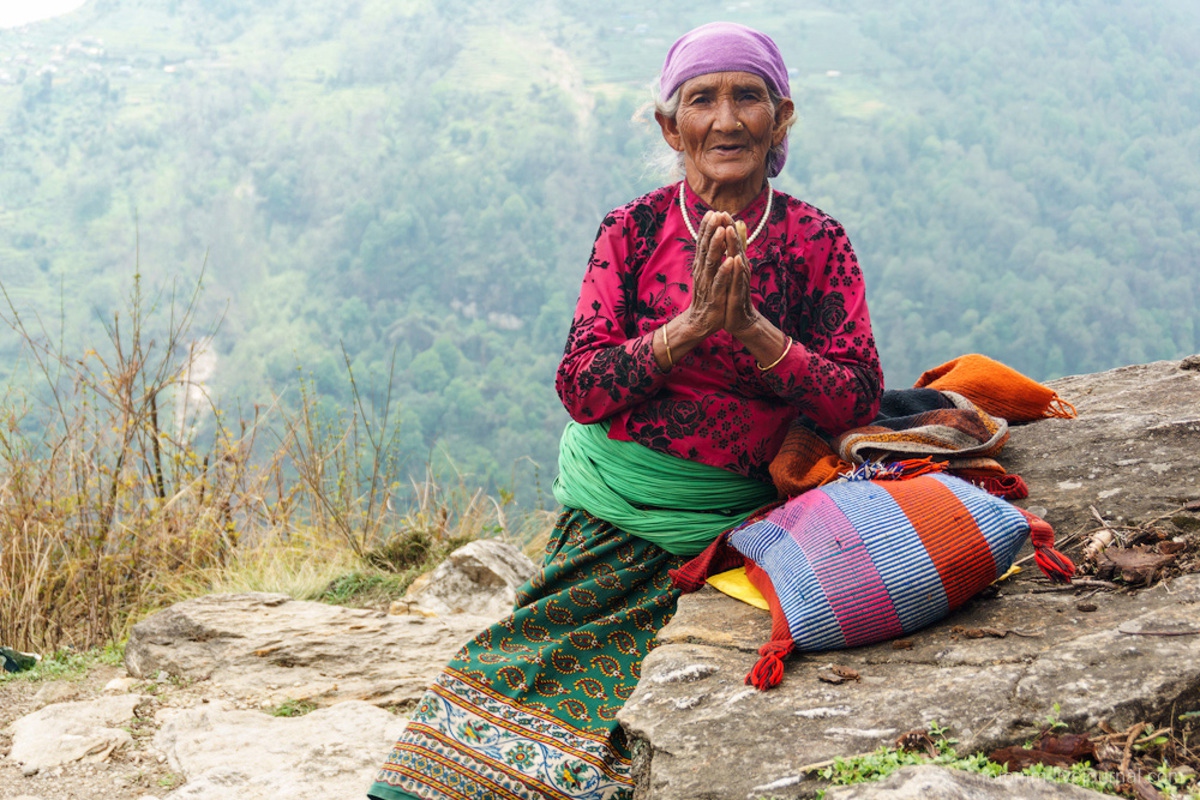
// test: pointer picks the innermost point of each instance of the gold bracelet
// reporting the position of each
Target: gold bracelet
(667, 344)
(775, 363)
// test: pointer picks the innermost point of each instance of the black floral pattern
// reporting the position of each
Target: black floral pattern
(716, 406)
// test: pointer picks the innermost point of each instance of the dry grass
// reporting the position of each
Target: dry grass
(304, 571)
(123, 490)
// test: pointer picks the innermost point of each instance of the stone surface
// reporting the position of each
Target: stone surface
(64, 733)
(120, 685)
(935, 783)
(481, 579)
(698, 716)
(56, 692)
(1131, 454)
(331, 753)
(268, 648)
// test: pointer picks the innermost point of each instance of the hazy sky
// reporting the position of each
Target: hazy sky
(21, 12)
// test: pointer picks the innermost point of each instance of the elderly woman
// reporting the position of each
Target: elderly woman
(714, 312)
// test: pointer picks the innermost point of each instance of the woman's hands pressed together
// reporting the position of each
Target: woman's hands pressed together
(712, 275)
(721, 299)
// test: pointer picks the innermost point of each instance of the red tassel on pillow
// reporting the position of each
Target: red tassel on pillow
(1054, 564)
(768, 672)
(718, 557)
(1010, 487)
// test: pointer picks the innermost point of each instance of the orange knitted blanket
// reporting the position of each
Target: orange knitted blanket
(981, 396)
(996, 388)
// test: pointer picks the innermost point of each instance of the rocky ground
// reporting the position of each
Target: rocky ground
(1117, 648)
(251, 696)
(135, 771)
(258, 696)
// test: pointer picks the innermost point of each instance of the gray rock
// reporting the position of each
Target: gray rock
(268, 648)
(56, 692)
(936, 783)
(697, 715)
(64, 733)
(120, 685)
(480, 578)
(1131, 453)
(331, 753)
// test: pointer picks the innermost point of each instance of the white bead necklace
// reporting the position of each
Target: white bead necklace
(687, 219)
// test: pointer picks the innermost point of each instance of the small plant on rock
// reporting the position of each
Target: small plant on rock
(293, 708)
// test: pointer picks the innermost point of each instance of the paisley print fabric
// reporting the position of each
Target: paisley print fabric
(527, 710)
(716, 406)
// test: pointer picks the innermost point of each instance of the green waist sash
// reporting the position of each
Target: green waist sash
(679, 505)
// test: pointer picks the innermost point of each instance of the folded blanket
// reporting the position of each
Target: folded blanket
(996, 388)
(913, 424)
(805, 461)
(907, 402)
(964, 430)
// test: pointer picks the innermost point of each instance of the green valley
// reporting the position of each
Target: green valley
(371, 179)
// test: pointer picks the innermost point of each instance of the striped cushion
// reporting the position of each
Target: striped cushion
(863, 561)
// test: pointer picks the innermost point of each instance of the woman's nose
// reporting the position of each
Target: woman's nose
(727, 119)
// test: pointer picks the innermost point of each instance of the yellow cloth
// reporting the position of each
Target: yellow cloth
(735, 584)
(1013, 570)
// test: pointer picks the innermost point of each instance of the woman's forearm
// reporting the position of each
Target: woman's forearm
(596, 382)
(765, 341)
(676, 338)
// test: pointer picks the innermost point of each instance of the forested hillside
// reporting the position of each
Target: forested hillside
(424, 178)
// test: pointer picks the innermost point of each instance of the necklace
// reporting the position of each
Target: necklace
(687, 219)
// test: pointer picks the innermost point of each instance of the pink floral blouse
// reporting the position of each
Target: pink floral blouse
(716, 407)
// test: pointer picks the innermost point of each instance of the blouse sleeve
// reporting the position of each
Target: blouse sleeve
(832, 373)
(607, 367)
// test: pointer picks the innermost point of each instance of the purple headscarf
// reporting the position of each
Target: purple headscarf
(727, 47)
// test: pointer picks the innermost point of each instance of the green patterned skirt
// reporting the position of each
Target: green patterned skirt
(528, 709)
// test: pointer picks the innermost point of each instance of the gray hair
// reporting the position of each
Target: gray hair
(668, 164)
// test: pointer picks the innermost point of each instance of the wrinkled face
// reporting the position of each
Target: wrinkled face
(725, 126)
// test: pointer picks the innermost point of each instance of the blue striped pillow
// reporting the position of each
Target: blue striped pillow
(858, 562)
